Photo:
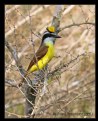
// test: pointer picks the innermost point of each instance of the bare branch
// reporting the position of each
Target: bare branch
(12, 9)
(18, 24)
(57, 16)
(10, 82)
(68, 9)
(14, 114)
(15, 56)
(60, 67)
(74, 24)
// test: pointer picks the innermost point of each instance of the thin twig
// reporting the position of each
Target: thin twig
(74, 24)
(10, 83)
(18, 24)
(19, 116)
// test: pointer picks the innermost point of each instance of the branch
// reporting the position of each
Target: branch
(67, 10)
(71, 25)
(11, 83)
(14, 114)
(15, 56)
(57, 16)
(25, 19)
(65, 65)
(11, 9)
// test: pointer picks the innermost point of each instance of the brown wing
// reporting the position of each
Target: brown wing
(39, 54)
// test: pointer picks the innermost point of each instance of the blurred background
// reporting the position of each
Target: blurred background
(71, 93)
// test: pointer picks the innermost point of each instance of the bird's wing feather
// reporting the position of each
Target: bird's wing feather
(39, 54)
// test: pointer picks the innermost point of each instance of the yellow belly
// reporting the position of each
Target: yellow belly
(44, 61)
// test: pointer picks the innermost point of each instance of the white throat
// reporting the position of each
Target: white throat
(49, 40)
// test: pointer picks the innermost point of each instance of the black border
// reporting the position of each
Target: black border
(2, 32)
(51, 2)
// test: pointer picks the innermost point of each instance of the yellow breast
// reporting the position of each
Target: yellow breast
(45, 60)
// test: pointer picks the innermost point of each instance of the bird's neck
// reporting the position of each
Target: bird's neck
(49, 41)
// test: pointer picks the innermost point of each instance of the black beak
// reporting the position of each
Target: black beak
(56, 36)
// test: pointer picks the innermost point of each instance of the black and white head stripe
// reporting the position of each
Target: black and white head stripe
(48, 34)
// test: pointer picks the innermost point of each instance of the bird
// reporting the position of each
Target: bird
(45, 52)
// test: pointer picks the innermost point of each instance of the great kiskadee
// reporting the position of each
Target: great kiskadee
(45, 52)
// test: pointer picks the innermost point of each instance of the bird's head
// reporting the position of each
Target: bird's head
(50, 34)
